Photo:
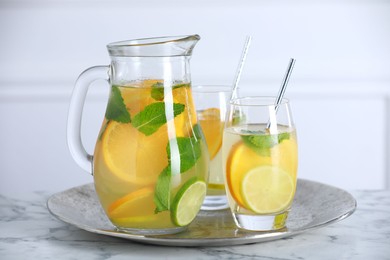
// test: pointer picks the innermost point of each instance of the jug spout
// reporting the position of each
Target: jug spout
(155, 47)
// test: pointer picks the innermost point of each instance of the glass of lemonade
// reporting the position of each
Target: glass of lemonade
(211, 102)
(260, 159)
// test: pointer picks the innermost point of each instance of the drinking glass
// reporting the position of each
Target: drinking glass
(260, 159)
(211, 102)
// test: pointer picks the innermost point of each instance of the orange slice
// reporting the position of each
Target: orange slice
(132, 156)
(286, 156)
(210, 121)
(135, 204)
(136, 98)
(184, 122)
(241, 159)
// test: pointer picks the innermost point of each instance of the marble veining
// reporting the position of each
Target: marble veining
(29, 231)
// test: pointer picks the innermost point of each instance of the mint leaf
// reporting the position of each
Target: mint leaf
(116, 108)
(162, 191)
(197, 132)
(189, 150)
(262, 144)
(153, 117)
(283, 136)
(157, 92)
(238, 117)
(180, 85)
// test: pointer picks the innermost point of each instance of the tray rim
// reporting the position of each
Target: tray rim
(196, 242)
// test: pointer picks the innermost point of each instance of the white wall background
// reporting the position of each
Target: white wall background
(340, 89)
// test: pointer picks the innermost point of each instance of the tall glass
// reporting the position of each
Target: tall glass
(211, 102)
(260, 158)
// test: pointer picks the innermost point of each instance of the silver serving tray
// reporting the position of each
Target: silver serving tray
(315, 205)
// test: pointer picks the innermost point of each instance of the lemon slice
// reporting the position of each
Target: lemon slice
(267, 189)
(188, 201)
(242, 159)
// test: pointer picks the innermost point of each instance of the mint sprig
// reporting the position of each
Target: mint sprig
(283, 136)
(189, 151)
(116, 108)
(162, 191)
(262, 144)
(153, 116)
(157, 91)
(197, 132)
(238, 117)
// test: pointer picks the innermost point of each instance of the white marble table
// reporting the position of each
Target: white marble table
(28, 231)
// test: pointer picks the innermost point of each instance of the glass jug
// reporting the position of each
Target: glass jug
(150, 163)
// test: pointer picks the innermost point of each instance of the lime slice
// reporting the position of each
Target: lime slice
(267, 189)
(188, 201)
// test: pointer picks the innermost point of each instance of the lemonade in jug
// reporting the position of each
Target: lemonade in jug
(150, 163)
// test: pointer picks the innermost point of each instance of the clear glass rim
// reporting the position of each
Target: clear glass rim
(257, 101)
(211, 88)
(152, 41)
(165, 46)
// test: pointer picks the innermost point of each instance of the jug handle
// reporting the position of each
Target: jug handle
(75, 145)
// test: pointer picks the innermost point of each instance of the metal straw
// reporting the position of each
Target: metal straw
(240, 67)
(282, 89)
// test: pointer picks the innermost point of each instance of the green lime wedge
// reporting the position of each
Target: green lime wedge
(188, 201)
